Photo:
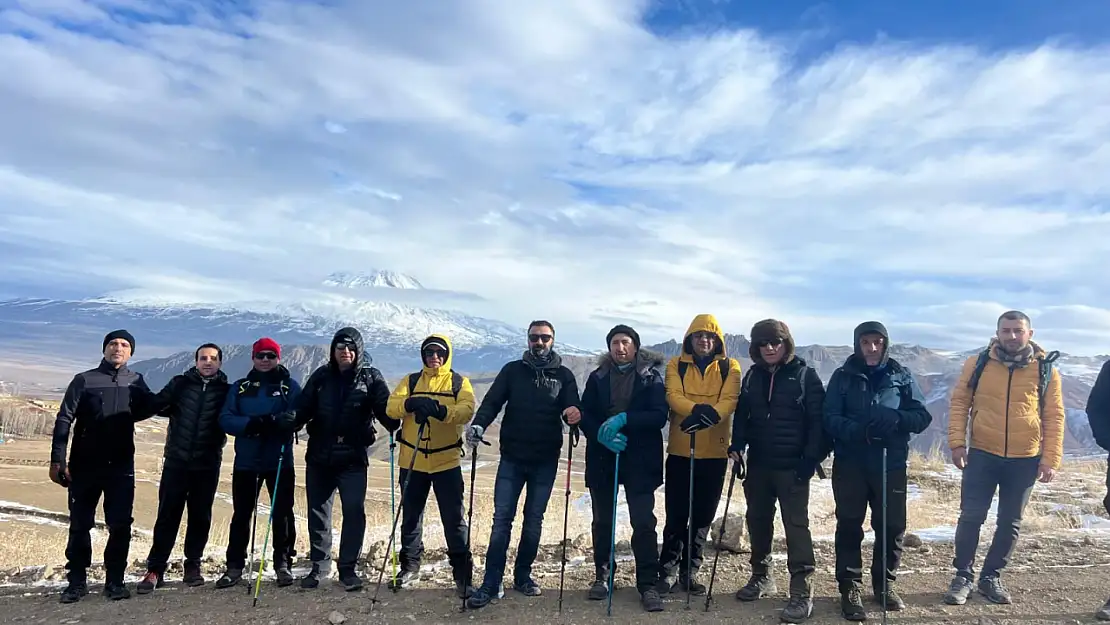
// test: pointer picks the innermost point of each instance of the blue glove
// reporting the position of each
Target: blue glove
(615, 444)
(612, 426)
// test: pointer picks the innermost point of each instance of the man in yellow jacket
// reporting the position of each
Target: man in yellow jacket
(1009, 403)
(443, 401)
(703, 386)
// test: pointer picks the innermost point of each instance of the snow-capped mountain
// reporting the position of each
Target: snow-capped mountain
(377, 278)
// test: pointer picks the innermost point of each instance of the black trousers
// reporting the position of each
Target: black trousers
(645, 548)
(245, 488)
(855, 489)
(117, 485)
(709, 479)
(448, 486)
(181, 488)
(321, 484)
(762, 489)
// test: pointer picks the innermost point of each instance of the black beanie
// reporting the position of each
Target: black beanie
(623, 329)
(118, 334)
(872, 327)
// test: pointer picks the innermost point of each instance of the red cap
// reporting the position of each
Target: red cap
(266, 345)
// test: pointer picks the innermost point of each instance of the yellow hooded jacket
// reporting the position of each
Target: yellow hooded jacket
(1004, 415)
(444, 436)
(702, 388)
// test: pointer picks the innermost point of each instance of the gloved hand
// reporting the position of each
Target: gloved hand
(269, 424)
(739, 469)
(474, 435)
(59, 474)
(439, 411)
(255, 427)
(416, 405)
(701, 418)
(390, 425)
(616, 443)
(805, 470)
(612, 426)
(884, 421)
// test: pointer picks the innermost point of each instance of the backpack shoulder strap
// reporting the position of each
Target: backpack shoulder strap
(456, 383)
(980, 364)
(802, 383)
(1044, 366)
(414, 378)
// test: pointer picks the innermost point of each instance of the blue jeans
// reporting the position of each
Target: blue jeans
(512, 478)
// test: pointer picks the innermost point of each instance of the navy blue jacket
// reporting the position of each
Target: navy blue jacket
(641, 467)
(861, 403)
(257, 395)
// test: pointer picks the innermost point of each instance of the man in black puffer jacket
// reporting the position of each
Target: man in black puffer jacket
(779, 419)
(192, 456)
(338, 405)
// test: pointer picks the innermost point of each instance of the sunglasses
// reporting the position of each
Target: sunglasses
(345, 347)
(540, 338)
(772, 343)
(265, 356)
(435, 351)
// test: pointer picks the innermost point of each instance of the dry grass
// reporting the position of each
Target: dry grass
(22, 418)
(935, 460)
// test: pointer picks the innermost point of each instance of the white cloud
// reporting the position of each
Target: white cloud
(723, 173)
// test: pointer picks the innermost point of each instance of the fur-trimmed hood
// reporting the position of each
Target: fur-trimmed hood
(645, 360)
(767, 330)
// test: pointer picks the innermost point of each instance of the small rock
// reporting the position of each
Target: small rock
(624, 546)
(336, 617)
(1088, 540)
(925, 548)
(911, 540)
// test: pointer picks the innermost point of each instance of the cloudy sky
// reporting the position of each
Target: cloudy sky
(586, 161)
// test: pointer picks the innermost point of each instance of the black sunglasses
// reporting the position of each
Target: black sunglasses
(540, 338)
(265, 356)
(770, 343)
(435, 351)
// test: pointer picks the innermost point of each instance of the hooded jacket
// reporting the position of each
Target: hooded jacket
(192, 406)
(700, 386)
(641, 468)
(1004, 415)
(98, 406)
(441, 445)
(257, 395)
(338, 408)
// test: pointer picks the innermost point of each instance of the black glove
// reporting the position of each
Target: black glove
(411, 403)
(440, 411)
(884, 422)
(702, 417)
(255, 427)
(421, 417)
(739, 469)
(390, 425)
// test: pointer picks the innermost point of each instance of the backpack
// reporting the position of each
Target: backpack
(1044, 372)
(456, 386)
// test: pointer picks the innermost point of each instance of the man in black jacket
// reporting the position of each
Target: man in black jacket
(1098, 416)
(97, 405)
(192, 457)
(339, 403)
(779, 421)
(541, 394)
(624, 410)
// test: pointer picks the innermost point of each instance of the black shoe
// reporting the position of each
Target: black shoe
(528, 588)
(696, 588)
(149, 582)
(994, 591)
(350, 580)
(798, 609)
(116, 591)
(481, 598)
(851, 604)
(74, 592)
(312, 579)
(284, 577)
(463, 590)
(892, 601)
(758, 586)
(958, 590)
(193, 577)
(600, 590)
(404, 579)
(650, 600)
(1103, 613)
(230, 578)
(665, 583)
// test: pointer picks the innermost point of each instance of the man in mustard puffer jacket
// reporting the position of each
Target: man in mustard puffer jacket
(703, 386)
(443, 401)
(1014, 418)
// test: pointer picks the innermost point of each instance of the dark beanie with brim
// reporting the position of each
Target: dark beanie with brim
(769, 330)
(872, 327)
(118, 334)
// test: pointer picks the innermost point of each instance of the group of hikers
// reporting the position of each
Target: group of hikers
(777, 422)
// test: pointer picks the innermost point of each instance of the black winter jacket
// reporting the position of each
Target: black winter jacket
(779, 424)
(1098, 407)
(97, 405)
(534, 397)
(192, 405)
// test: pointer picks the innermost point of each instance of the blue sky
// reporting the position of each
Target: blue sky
(929, 164)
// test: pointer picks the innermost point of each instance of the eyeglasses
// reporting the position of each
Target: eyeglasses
(771, 343)
(265, 356)
(540, 338)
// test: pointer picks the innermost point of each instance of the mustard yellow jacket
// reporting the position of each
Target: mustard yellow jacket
(683, 393)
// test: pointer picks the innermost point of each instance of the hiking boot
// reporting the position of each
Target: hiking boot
(404, 579)
(480, 598)
(284, 577)
(350, 580)
(892, 601)
(230, 578)
(958, 590)
(74, 592)
(696, 588)
(149, 582)
(116, 591)
(650, 600)
(798, 609)
(463, 590)
(312, 579)
(193, 578)
(1103, 613)
(665, 583)
(758, 586)
(851, 604)
(528, 588)
(994, 591)
(600, 590)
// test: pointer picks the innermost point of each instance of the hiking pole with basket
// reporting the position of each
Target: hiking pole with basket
(254, 526)
(690, 524)
(886, 564)
(572, 442)
(269, 524)
(470, 523)
(392, 497)
(720, 539)
(613, 532)
(397, 517)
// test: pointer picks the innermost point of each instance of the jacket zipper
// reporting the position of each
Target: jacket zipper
(196, 422)
(771, 392)
(1006, 439)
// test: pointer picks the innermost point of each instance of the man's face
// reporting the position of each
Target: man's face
(540, 339)
(208, 362)
(1014, 334)
(872, 346)
(265, 361)
(117, 352)
(434, 356)
(621, 349)
(772, 351)
(344, 355)
(704, 343)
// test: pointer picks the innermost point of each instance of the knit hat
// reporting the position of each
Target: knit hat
(623, 329)
(118, 334)
(769, 330)
(871, 327)
(266, 344)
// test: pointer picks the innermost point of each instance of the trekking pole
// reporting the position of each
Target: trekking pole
(690, 525)
(613, 532)
(254, 526)
(470, 523)
(392, 497)
(269, 523)
(885, 562)
(566, 516)
(397, 517)
(720, 539)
